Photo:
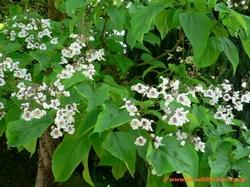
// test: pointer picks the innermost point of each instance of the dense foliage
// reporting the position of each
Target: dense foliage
(141, 86)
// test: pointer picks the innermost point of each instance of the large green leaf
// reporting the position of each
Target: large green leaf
(141, 21)
(74, 148)
(118, 167)
(230, 51)
(246, 44)
(117, 16)
(244, 167)
(196, 26)
(85, 173)
(20, 132)
(72, 5)
(155, 181)
(220, 162)
(94, 97)
(111, 117)
(211, 53)
(173, 157)
(122, 146)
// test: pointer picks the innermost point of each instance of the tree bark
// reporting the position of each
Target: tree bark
(46, 144)
(53, 13)
(45, 151)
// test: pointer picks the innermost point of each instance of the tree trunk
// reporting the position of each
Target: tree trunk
(46, 144)
(45, 151)
(53, 13)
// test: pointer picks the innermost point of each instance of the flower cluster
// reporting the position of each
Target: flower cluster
(176, 103)
(64, 121)
(227, 100)
(8, 66)
(76, 59)
(37, 99)
(2, 112)
(241, 4)
(36, 33)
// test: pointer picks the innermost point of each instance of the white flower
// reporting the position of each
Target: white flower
(244, 85)
(168, 99)
(63, 60)
(146, 124)
(179, 49)
(199, 145)
(164, 84)
(140, 141)
(183, 99)
(37, 113)
(54, 41)
(56, 133)
(2, 114)
(135, 124)
(119, 33)
(54, 103)
(22, 34)
(245, 98)
(70, 129)
(2, 82)
(27, 116)
(157, 142)
(91, 38)
(179, 118)
(67, 72)
(89, 71)
(67, 53)
(152, 93)
(175, 85)
(42, 47)
(181, 136)
(140, 88)
(1, 105)
(189, 60)
(96, 55)
(226, 97)
(130, 107)
(75, 48)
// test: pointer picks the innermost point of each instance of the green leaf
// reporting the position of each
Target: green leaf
(118, 167)
(211, 53)
(230, 51)
(20, 132)
(72, 5)
(152, 39)
(122, 62)
(85, 173)
(161, 22)
(31, 147)
(246, 44)
(244, 167)
(94, 97)
(188, 182)
(211, 3)
(198, 37)
(73, 149)
(10, 47)
(220, 162)
(111, 117)
(121, 145)
(155, 181)
(173, 157)
(117, 16)
(141, 21)
(119, 171)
